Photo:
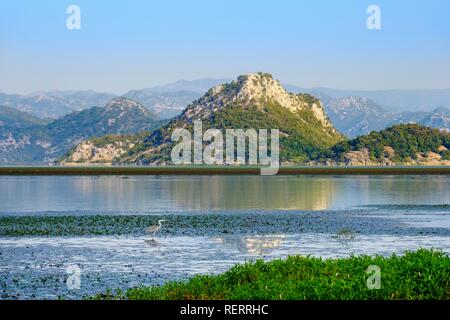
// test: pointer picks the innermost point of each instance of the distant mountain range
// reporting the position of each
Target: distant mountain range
(358, 112)
(44, 125)
(393, 101)
(355, 116)
(199, 86)
(169, 100)
(25, 138)
(54, 104)
(164, 105)
(165, 101)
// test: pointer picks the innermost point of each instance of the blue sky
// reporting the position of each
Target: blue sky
(134, 44)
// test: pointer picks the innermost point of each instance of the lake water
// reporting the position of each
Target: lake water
(156, 194)
(381, 215)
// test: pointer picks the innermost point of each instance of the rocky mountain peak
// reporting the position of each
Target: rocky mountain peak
(254, 86)
(256, 89)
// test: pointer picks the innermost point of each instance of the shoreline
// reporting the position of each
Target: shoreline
(220, 170)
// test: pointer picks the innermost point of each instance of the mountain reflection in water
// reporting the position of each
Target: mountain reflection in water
(157, 194)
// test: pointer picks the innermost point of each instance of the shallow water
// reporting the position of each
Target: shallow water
(37, 266)
(390, 214)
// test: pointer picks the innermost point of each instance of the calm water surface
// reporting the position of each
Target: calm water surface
(155, 194)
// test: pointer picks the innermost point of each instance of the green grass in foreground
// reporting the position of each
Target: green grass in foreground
(424, 274)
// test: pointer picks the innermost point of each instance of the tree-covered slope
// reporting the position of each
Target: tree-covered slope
(13, 118)
(32, 140)
(400, 143)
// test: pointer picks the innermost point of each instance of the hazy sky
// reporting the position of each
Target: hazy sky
(130, 44)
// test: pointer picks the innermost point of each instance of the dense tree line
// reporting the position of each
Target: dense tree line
(406, 139)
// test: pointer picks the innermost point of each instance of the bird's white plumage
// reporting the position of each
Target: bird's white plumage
(154, 228)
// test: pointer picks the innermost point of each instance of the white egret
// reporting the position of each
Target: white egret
(153, 229)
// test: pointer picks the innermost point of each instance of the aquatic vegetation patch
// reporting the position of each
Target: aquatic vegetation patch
(210, 224)
(424, 274)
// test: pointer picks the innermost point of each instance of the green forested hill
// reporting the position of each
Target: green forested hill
(252, 101)
(407, 140)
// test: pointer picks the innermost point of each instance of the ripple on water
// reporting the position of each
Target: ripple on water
(33, 267)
